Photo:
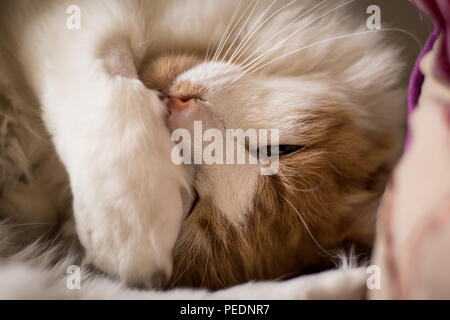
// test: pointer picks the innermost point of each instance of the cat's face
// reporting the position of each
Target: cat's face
(243, 225)
(339, 116)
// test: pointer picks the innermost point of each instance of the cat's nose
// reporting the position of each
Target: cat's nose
(177, 104)
(184, 112)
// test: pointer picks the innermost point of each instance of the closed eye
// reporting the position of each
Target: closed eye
(282, 149)
(286, 149)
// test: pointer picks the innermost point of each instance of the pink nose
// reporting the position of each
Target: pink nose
(184, 112)
(176, 104)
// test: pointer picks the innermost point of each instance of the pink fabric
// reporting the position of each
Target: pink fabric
(417, 79)
(413, 237)
(439, 11)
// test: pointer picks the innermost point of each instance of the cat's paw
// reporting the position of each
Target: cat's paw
(126, 190)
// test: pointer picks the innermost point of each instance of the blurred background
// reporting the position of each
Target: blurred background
(399, 14)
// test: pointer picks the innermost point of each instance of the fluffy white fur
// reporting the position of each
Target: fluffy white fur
(41, 273)
(109, 132)
(20, 281)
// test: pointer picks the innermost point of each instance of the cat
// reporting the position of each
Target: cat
(87, 116)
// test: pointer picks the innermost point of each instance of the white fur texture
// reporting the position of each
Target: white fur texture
(108, 129)
(20, 281)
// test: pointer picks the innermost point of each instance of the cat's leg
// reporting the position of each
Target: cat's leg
(116, 148)
(126, 190)
(110, 134)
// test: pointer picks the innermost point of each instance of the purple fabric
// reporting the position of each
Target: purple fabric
(417, 78)
(439, 11)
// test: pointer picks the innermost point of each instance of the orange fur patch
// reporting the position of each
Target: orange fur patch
(332, 186)
(159, 73)
(325, 183)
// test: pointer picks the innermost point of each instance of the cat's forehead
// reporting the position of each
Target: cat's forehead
(186, 75)
(211, 72)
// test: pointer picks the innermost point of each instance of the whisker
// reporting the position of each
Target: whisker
(292, 188)
(254, 3)
(232, 30)
(280, 44)
(250, 67)
(206, 268)
(306, 227)
(206, 58)
(254, 62)
(252, 30)
(181, 274)
(296, 20)
(149, 41)
(259, 27)
(334, 39)
(268, 41)
(226, 32)
(29, 224)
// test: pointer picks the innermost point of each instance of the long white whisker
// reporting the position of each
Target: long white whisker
(206, 268)
(262, 24)
(186, 268)
(334, 39)
(292, 188)
(207, 50)
(306, 227)
(249, 67)
(29, 224)
(149, 41)
(238, 76)
(255, 27)
(282, 30)
(226, 32)
(242, 28)
(230, 32)
(280, 44)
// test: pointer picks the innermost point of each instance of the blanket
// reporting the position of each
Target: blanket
(414, 225)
